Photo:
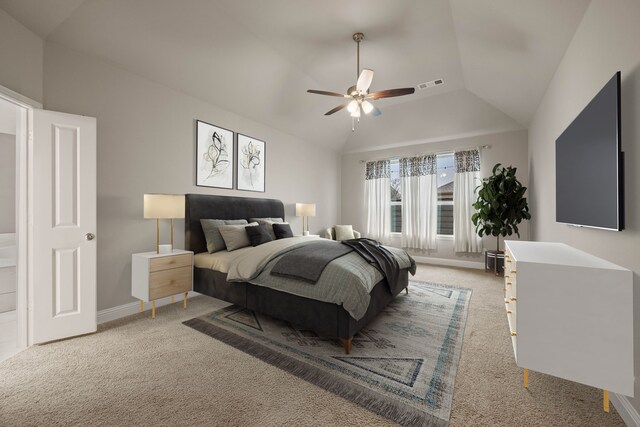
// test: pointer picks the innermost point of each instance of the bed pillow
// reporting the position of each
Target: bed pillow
(282, 231)
(279, 220)
(235, 236)
(344, 232)
(258, 235)
(269, 223)
(214, 239)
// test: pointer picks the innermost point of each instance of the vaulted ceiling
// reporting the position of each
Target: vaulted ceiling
(257, 58)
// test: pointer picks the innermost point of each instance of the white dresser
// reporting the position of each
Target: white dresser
(570, 315)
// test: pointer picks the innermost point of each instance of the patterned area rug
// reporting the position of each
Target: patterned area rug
(402, 365)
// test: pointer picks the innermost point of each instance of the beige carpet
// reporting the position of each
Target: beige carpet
(139, 371)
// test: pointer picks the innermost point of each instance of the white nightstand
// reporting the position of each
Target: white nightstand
(155, 276)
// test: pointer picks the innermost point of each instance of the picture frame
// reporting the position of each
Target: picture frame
(214, 156)
(251, 164)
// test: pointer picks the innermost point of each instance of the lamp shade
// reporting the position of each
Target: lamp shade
(305, 209)
(163, 206)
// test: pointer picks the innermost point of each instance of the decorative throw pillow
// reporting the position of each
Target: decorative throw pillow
(258, 234)
(269, 223)
(214, 239)
(235, 236)
(282, 231)
(344, 232)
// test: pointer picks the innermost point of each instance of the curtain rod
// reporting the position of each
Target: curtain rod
(482, 147)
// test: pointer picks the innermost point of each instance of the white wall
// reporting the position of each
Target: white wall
(21, 53)
(7, 183)
(508, 148)
(606, 41)
(146, 144)
(450, 115)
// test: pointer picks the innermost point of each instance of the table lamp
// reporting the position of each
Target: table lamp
(305, 210)
(163, 206)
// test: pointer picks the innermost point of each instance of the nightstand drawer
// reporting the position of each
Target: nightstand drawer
(170, 282)
(163, 263)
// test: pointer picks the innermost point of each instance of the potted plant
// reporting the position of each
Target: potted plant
(500, 207)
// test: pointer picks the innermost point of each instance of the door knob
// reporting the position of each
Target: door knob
(89, 236)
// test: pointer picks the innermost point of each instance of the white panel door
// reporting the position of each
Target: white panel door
(62, 245)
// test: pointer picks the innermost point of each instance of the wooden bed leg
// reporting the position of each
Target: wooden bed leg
(407, 289)
(346, 343)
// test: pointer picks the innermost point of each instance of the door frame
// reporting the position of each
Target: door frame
(24, 136)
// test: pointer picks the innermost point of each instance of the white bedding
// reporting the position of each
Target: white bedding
(249, 259)
(218, 261)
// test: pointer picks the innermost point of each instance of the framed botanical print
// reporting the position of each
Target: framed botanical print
(251, 163)
(214, 156)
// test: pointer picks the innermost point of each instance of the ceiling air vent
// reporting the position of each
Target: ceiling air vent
(432, 83)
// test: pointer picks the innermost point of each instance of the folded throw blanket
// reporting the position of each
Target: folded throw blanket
(308, 262)
(379, 257)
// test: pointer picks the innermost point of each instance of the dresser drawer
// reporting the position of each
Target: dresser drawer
(165, 262)
(170, 282)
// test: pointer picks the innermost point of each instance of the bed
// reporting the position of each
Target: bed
(324, 318)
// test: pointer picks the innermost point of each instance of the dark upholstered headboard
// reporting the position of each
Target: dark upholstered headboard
(204, 206)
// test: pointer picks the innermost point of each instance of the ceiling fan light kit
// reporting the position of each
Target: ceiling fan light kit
(358, 95)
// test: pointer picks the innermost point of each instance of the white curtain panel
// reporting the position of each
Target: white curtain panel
(465, 182)
(377, 194)
(419, 202)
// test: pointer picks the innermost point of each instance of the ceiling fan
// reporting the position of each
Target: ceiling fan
(358, 96)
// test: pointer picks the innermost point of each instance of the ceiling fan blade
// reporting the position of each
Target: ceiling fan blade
(338, 108)
(376, 111)
(324, 92)
(389, 93)
(364, 81)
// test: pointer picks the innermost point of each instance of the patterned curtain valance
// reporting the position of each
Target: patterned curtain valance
(467, 161)
(378, 169)
(418, 166)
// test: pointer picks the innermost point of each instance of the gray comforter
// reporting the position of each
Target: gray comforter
(346, 280)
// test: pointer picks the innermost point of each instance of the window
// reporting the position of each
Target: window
(445, 173)
(396, 197)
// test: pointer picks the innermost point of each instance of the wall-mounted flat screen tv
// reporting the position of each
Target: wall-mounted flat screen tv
(589, 164)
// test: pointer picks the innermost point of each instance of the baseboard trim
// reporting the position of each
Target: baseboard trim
(449, 262)
(124, 310)
(626, 410)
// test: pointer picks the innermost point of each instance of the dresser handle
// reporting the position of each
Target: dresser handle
(514, 299)
(513, 334)
(508, 260)
(509, 283)
(514, 271)
(506, 276)
(509, 312)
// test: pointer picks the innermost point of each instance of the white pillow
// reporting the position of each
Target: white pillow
(344, 232)
(235, 236)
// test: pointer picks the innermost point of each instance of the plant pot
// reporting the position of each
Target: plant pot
(494, 262)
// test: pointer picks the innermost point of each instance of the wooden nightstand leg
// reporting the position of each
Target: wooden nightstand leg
(153, 309)
(172, 301)
(185, 300)
(526, 378)
(605, 401)
(141, 306)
